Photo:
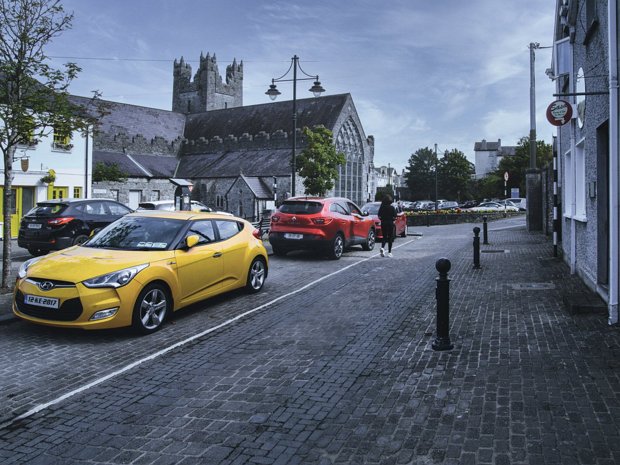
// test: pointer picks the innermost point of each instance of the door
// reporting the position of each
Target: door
(601, 190)
(135, 197)
(361, 223)
(16, 209)
(233, 247)
(199, 269)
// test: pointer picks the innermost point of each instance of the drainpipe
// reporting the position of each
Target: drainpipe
(86, 166)
(614, 174)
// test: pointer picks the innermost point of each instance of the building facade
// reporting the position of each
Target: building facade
(585, 70)
(489, 154)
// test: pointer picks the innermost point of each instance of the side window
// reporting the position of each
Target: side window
(337, 208)
(354, 210)
(227, 229)
(205, 231)
(95, 208)
(116, 209)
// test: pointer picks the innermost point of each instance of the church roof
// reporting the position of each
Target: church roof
(256, 162)
(267, 117)
(151, 166)
(133, 120)
(258, 187)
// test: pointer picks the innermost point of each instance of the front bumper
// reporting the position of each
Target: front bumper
(77, 305)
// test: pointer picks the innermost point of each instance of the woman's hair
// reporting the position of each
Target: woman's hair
(387, 199)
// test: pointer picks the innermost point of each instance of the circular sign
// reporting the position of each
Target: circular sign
(559, 112)
(505, 175)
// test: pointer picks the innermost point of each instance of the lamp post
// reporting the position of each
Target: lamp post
(273, 92)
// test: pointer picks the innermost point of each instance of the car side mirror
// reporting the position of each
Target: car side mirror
(191, 240)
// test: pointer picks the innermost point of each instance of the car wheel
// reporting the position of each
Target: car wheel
(37, 252)
(151, 309)
(256, 275)
(80, 239)
(279, 251)
(370, 240)
(337, 247)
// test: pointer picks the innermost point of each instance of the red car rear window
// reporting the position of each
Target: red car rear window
(301, 207)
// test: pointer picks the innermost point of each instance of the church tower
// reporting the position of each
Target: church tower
(207, 91)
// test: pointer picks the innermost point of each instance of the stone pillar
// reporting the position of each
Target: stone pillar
(533, 188)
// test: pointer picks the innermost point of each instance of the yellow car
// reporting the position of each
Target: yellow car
(139, 269)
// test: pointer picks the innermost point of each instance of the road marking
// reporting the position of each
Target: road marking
(164, 351)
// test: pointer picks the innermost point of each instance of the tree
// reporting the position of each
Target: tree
(33, 96)
(517, 165)
(455, 172)
(421, 174)
(319, 161)
(108, 172)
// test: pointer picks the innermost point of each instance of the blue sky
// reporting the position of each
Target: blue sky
(421, 72)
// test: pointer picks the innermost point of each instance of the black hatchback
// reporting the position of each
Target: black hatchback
(57, 224)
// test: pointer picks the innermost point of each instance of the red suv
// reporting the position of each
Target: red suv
(329, 224)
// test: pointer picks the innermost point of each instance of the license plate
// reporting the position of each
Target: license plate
(293, 236)
(34, 226)
(48, 302)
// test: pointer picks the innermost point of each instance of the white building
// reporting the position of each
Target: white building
(489, 154)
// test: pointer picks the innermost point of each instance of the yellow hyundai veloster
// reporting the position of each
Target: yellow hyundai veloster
(139, 269)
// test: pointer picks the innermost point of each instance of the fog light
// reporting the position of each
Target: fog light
(101, 314)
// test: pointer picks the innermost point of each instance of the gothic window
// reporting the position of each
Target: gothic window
(350, 180)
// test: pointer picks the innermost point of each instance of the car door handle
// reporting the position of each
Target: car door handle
(217, 254)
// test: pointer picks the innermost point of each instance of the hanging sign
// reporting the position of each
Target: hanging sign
(559, 112)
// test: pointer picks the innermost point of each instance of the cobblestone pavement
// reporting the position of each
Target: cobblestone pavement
(342, 372)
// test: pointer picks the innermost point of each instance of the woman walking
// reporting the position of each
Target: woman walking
(387, 215)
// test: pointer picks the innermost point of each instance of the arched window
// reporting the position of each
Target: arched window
(350, 181)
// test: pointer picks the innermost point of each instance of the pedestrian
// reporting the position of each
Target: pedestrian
(387, 215)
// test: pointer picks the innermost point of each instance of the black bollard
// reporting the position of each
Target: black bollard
(442, 294)
(476, 247)
(485, 231)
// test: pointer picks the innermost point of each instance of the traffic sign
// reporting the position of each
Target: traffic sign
(505, 175)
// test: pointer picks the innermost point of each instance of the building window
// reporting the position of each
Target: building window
(568, 185)
(114, 194)
(77, 192)
(591, 18)
(219, 201)
(62, 138)
(580, 182)
(155, 195)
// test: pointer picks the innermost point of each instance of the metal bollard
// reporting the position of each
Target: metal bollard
(442, 294)
(476, 247)
(485, 231)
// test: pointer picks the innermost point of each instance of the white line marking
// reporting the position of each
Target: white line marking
(164, 351)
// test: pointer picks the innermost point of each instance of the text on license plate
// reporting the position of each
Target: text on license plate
(39, 301)
(34, 226)
(293, 236)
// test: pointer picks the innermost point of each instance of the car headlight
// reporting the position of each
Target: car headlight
(23, 268)
(116, 278)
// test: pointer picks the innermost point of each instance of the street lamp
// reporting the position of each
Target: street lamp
(273, 92)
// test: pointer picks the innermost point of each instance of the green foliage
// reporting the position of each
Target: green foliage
(108, 172)
(454, 173)
(517, 165)
(318, 163)
(421, 174)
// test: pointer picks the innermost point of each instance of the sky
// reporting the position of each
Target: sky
(421, 72)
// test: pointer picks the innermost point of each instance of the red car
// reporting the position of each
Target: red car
(372, 208)
(326, 224)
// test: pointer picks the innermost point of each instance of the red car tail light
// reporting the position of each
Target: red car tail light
(256, 233)
(56, 222)
(322, 220)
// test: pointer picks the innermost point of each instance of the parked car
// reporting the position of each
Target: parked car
(57, 224)
(447, 205)
(468, 204)
(138, 270)
(372, 209)
(327, 224)
(494, 206)
(519, 202)
(424, 205)
(168, 205)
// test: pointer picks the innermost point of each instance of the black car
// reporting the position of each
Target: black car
(57, 224)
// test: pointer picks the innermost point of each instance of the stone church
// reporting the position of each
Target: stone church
(237, 157)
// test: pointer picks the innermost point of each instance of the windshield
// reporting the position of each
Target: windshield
(138, 233)
(301, 207)
(371, 208)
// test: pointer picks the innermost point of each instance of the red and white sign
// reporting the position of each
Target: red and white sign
(559, 112)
